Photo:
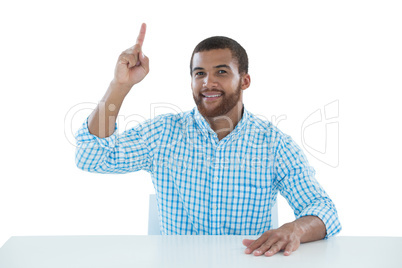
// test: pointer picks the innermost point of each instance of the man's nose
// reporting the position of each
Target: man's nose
(209, 82)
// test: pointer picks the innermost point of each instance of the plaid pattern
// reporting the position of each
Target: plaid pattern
(207, 186)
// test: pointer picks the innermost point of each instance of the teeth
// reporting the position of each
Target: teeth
(212, 96)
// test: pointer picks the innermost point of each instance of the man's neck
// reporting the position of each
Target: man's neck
(224, 124)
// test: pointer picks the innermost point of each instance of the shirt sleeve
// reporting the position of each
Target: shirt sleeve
(297, 183)
(129, 151)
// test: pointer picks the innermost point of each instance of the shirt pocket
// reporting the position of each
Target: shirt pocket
(249, 210)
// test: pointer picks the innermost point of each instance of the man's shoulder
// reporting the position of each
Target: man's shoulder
(261, 123)
(172, 119)
(177, 117)
(265, 132)
(272, 132)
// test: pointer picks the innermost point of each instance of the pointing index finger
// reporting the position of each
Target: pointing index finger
(141, 35)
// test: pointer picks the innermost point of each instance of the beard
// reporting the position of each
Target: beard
(228, 102)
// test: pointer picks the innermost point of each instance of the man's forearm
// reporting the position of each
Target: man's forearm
(310, 228)
(102, 121)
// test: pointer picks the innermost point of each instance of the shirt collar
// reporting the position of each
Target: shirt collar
(206, 128)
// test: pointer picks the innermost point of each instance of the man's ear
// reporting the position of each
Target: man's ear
(245, 81)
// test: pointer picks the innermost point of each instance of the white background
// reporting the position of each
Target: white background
(58, 57)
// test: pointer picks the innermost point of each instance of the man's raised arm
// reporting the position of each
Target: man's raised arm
(99, 147)
(132, 66)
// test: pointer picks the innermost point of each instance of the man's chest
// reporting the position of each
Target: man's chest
(230, 184)
(198, 162)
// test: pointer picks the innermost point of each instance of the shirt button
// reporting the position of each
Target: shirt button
(216, 179)
(214, 207)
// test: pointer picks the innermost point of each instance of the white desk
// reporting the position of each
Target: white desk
(192, 251)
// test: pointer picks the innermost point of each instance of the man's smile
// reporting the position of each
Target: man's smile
(212, 95)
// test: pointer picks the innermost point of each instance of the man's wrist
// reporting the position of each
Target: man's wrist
(119, 90)
(298, 228)
(310, 228)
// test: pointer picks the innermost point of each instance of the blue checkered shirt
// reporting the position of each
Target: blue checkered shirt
(205, 185)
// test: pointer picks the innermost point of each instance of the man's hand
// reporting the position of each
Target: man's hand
(132, 65)
(288, 237)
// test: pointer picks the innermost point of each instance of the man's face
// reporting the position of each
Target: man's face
(216, 82)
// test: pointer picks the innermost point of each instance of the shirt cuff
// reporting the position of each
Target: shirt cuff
(328, 215)
(83, 136)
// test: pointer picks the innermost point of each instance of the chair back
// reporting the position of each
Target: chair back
(153, 218)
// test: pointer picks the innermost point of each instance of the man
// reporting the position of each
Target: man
(216, 169)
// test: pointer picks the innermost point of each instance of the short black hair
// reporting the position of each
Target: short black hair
(222, 42)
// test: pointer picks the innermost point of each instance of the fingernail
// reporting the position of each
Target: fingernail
(247, 251)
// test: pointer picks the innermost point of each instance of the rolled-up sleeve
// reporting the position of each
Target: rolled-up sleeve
(297, 183)
(126, 152)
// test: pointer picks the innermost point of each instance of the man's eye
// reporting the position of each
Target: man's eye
(222, 72)
(199, 73)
